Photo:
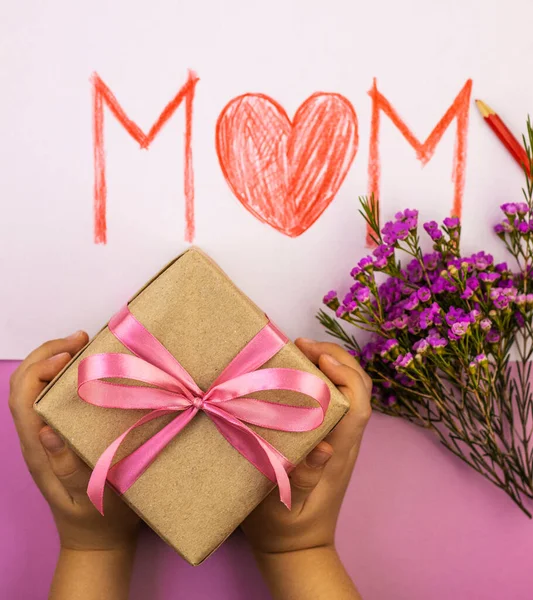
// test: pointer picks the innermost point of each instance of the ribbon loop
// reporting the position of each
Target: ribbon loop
(174, 391)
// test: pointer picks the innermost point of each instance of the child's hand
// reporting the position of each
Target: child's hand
(320, 481)
(60, 475)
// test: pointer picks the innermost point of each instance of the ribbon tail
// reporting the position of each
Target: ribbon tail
(96, 487)
(261, 348)
(125, 472)
(256, 450)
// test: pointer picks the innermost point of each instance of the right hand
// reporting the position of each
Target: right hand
(61, 476)
(318, 483)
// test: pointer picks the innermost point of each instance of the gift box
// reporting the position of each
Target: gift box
(213, 469)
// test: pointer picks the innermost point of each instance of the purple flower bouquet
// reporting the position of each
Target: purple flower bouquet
(441, 329)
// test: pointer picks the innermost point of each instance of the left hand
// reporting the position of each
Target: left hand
(319, 482)
(61, 476)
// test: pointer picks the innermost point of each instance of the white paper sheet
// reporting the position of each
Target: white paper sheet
(55, 279)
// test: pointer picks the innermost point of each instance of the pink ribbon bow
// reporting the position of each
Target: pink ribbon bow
(175, 391)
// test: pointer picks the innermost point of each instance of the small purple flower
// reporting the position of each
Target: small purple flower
(436, 341)
(389, 400)
(429, 316)
(501, 302)
(411, 219)
(432, 229)
(403, 361)
(383, 251)
(455, 315)
(522, 227)
(413, 323)
(474, 315)
(521, 299)
(460, 329)
(431, 260)
(439, 285)
(365, 263)
(410, 213)
(467, 294)
(489, 277)
(485, 324)
(389, 236)
(355, 272)
(331, 295)
(341, 311)
(380, 263)
(472, 283)
(522, 208)
(400, 230)
(451, 222)
(482, 261)
(493, 337)
(424, 295)
(388, 326)
(412, 302)
(414, 271)
(501, 267)
(368, 352)
(388, 346)
(510, 292)
(362, 295)
(403, 379)
(499, 229)
(509, 208)
(481, 359)
(529, 300)
(519, 319)
(421, 346)
(412, 223)
(506, 225)
(401, 322)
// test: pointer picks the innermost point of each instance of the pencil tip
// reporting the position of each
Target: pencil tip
(484, 109)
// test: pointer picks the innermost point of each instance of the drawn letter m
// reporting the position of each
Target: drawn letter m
(102, 94)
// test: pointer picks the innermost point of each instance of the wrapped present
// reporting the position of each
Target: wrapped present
(192, 405)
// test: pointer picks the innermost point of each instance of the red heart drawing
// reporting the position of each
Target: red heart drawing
(284, 173)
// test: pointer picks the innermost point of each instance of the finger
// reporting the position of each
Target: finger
(24, 391)
(27, 421)
(69, 469)
(313, 350)
(306, 476)
(348, 433)
(71, 344)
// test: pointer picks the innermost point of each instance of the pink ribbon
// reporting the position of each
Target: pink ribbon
(175, 391)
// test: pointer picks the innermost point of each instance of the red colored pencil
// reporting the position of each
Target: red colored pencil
(515, 148)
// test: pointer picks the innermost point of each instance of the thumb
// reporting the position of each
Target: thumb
(306, 476)
(69, 469)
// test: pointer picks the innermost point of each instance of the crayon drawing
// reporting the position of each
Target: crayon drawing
(424, 150)
(102, 94)
(286, 173)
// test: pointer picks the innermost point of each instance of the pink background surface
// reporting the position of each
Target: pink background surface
(416, 525)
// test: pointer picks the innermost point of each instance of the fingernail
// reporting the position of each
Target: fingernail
(317, 459)
(51, 441)
(307, 341)
(61, 356)
(332, 360)
(73, 336)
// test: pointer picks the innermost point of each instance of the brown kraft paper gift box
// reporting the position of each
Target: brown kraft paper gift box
(199, 489)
